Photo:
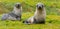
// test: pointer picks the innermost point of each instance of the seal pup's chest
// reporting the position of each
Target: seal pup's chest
(17, 12)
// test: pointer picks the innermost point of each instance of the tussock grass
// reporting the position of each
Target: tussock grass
(29, 6)
(52, 22)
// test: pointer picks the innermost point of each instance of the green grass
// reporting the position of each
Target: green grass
(52, 6)
(52, 22)
(29, 6)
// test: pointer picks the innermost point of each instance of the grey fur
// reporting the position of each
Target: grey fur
(39, 16)
(15, 14)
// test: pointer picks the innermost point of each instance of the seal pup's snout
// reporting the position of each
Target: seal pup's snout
(40, 6)
(18, 5)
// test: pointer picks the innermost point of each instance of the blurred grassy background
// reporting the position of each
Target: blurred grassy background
(29, 7)
(52, 6)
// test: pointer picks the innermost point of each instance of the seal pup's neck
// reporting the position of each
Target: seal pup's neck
(17, 11)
